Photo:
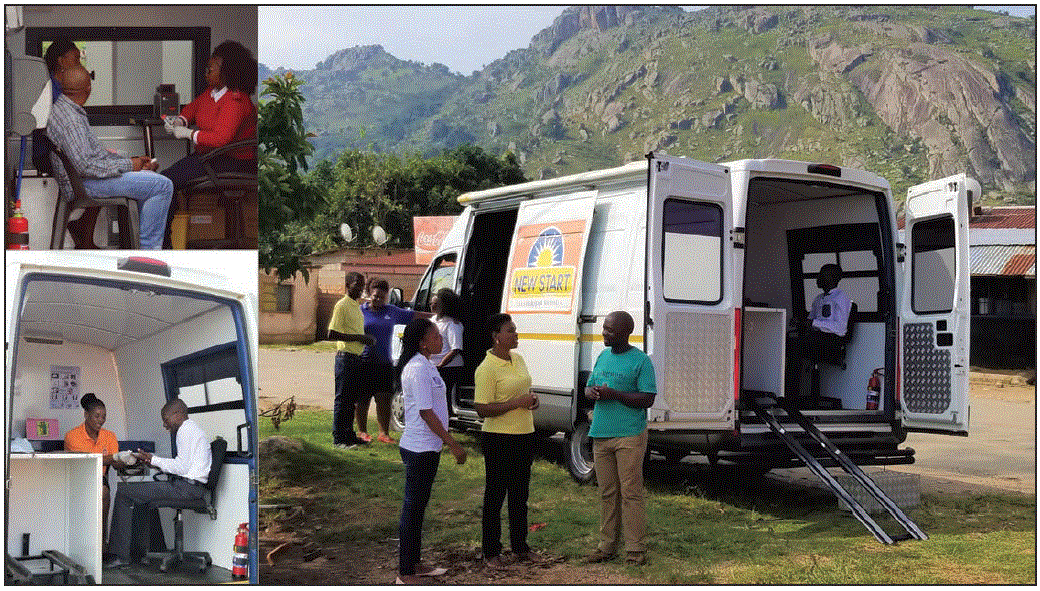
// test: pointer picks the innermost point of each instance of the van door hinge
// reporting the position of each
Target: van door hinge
(738, 237)
(587, 319)
(646, 314)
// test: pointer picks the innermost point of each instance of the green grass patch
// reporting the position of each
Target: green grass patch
(703, 528)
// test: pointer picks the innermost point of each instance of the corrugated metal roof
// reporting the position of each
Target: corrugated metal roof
(1003, 260)
(1005, 217)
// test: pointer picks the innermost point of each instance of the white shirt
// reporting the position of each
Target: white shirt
(451, 334)
(193, 454)
(423, 389)
(830, 312)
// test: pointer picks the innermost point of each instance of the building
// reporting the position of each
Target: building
(1003, 287)
(298, 312)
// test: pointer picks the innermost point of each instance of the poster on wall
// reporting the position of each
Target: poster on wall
(64, 386)
(543, 271)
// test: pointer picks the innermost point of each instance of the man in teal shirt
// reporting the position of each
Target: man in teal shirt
(622, 386)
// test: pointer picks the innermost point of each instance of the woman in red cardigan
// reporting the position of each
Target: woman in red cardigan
(222, 114)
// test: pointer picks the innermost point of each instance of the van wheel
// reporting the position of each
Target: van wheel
(579, 454)
(397, 412)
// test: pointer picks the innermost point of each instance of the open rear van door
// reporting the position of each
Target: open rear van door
(543, 287)
(935, 306)
(692, 321)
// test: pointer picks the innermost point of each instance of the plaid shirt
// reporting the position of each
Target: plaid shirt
(68, 128)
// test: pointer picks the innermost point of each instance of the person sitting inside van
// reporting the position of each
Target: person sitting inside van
(829, 315)
(89, 437)
(188, 472)
(105, 174)
(826, 325)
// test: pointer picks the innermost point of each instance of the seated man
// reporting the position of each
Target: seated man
(188, 474)
(105, 174)
(829, 316)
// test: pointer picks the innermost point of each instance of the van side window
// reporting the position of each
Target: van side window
(934, 268)
(441, 273)
(692, 252)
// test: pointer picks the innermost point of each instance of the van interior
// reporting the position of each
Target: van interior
(793, 228)
(135, 346)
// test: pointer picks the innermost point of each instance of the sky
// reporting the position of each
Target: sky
(464, 38)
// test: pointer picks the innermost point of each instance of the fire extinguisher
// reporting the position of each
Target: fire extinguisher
(240, 560)
(17, 229)
(874, 389)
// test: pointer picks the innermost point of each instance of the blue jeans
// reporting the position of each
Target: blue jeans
(420, 470)
(153, 193)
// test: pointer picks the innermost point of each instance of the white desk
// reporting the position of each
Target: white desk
(56, 499)
(764, 344)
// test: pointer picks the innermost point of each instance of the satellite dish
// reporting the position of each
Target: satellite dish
(346, 232)
(379, 235)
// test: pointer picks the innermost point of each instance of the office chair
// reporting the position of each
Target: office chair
(128, 217)
(236, 190)
(831, 355)
(205, 505)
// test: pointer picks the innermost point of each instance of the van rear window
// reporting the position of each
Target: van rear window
(692, 251)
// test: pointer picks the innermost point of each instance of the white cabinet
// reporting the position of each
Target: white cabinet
(56, 499)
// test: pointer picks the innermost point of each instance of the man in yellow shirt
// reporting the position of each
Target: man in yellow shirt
(347, 328)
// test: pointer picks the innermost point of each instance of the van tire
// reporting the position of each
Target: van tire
(397, 412)
(579, 454)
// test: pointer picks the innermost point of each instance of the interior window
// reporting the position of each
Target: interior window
(692, 251)
(934, 266)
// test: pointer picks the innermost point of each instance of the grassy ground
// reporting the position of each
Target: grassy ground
(704, 527)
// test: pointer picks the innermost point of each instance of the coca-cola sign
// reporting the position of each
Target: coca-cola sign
(429, 233)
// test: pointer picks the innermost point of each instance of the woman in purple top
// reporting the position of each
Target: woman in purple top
(376, 365)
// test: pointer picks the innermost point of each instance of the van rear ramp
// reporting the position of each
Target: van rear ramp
(764, 407)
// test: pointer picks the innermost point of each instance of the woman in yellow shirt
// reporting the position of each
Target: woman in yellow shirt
(91, 438)
(503, 398)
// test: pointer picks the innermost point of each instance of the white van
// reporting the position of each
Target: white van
(136, 332)
(733, 252)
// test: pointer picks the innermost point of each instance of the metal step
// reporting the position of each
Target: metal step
(764, 406)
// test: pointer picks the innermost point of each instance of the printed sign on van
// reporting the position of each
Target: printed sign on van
(544, 269)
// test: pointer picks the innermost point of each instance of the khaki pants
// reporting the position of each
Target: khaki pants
(619, 472)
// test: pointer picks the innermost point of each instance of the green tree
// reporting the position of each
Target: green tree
(287, 202)
(367, 189)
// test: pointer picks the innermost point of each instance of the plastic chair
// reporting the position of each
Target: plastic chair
(205, 505)
(128, 217)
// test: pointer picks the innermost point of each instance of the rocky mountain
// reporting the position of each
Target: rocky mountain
(363, 97)
(911, 93)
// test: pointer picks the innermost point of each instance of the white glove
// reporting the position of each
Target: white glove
(183, 133)
(127, 457)
(169, 122)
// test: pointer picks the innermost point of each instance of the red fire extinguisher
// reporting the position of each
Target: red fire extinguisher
(17, 229)
(240, 560)
(874, 389)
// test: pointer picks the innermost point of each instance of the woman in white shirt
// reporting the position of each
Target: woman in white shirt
(446, 305)
(425, 432)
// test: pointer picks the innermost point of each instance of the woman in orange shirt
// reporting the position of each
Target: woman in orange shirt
(91, 438)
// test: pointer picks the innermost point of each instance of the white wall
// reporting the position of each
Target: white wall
(767, 271)
(98, 374)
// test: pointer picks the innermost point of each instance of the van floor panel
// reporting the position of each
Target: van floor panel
(139, 574)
